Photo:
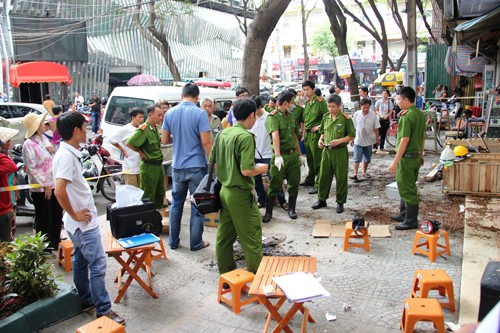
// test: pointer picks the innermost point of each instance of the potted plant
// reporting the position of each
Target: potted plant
(30, 296)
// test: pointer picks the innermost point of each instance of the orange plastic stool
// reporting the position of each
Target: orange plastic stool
(349, 233)
(237, 281)
(101, 325)
(431, 243)
(422, 309)
(65, 252)
(434, 279)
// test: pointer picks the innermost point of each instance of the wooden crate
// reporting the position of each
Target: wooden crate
(479, 174)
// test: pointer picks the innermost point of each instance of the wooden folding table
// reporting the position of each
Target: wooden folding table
(138, 258)
(278, 266)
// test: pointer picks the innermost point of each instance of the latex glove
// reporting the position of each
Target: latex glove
(303, 160)
(278, 162)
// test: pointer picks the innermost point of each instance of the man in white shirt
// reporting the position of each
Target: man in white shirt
(263, 150)
(78, 99)
(367, 133)
(131, 159)
(80, 217)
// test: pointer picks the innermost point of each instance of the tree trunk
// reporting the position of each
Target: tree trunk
(304, 41)
(259, 31)
(156, 38)
(338, 27)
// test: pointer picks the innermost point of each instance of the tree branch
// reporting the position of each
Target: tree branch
(427, 26)
(364, 14)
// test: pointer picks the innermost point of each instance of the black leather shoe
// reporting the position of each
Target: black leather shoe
(314, 190)
(113, 316)
(319, 204)
(306, 184)
(340, 208)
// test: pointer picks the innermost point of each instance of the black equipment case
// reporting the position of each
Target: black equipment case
(134, 220)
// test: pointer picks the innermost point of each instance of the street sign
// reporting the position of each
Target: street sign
(343, 66)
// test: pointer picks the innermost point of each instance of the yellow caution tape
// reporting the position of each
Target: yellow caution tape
(30, 186)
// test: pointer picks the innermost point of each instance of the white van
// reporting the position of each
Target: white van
(122, 99)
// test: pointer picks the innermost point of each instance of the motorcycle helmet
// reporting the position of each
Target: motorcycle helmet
(460, 151)
(18, 149)
(90, 172)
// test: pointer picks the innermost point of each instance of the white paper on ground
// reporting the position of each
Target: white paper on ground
(330, 317)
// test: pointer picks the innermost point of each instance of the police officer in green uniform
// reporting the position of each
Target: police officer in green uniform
(314, 110)
(239, 216)
(285, 162)
(146, 142)
(337, 130)
(409, 157)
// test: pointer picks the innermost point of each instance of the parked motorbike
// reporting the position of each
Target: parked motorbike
(97, 165)
(452, 106)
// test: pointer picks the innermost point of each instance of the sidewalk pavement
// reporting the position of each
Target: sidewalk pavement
(374, 284)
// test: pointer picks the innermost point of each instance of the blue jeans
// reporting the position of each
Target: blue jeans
(259, 185)
(182, 181)
(89, 256)
(96, 121)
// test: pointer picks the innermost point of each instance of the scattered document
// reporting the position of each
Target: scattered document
(301, 287)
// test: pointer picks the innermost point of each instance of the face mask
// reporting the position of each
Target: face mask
(290, 109)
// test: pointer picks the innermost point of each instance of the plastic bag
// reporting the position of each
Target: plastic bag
(128, 195)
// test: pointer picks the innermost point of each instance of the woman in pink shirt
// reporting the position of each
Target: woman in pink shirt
(38, 154)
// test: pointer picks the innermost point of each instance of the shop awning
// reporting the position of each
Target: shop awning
(38, 71)
(473, 29)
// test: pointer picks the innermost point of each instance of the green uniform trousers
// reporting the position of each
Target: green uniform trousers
(313, 155)
(334, 162)
(239, 217)
(406, 178)
(152, 183)
(290, 171)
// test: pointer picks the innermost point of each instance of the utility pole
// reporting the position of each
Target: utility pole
(411, 8)
(280, 54)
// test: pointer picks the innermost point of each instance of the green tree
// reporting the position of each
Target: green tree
(323, 41)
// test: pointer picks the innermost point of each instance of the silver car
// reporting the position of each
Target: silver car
(15, 112)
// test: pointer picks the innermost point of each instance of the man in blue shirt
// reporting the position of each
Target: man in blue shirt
(187, 125)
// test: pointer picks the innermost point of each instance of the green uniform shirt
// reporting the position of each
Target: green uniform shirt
(412, 125)
(285, 125)
(269, 108)
(146, 138)
(337, 128)
(314, 111)
(235, 152)
(298, 113)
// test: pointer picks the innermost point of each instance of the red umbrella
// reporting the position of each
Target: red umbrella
(143, 80)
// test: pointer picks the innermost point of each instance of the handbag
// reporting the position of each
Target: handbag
(206, 197)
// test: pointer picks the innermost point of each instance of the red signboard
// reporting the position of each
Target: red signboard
(312, 61)
(276, 67)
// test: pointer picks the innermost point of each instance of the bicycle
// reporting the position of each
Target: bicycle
(393, 130)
